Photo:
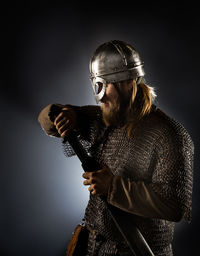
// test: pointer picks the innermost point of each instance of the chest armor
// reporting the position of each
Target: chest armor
(136, 158)
(125, 157)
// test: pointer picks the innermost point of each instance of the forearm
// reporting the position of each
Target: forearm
(140, 199)
(47, 124)
(86, 116)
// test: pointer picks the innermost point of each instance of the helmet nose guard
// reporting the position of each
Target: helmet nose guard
(112, 62)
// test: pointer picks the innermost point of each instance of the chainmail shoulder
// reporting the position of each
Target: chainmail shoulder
(172, 177)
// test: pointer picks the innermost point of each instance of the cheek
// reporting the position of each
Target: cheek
(111, 93)
(114, 97)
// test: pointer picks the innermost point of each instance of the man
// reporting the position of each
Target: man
(146, 156)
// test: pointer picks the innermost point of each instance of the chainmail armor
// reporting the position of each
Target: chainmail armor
(160, 153)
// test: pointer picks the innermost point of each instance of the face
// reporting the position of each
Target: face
(110, 97)
(113, 105)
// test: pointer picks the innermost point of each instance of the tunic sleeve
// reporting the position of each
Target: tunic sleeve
(45, 122)
(169, 194)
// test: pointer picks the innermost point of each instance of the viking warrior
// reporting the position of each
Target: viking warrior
(146, 157)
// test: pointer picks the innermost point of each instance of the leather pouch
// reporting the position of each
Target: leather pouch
(78, 243)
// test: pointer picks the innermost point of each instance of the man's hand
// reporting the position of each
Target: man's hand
(99, 181)
(65, 121)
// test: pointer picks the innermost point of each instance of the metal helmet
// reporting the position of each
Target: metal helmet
(112, 62)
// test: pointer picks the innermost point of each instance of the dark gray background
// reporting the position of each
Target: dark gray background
(45, 52)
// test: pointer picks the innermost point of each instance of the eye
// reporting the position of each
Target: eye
(98, 87)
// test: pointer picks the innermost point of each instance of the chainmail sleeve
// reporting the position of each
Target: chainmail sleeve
(164, 152)
(173, 174)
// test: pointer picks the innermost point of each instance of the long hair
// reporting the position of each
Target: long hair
(141, 99)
